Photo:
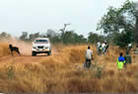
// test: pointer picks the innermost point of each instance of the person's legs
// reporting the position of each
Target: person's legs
(99, 51)
(104, 50)
(86, 63)
(125, 65)
(89, 63)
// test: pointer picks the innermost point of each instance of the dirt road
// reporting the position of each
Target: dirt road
(63, 71)
(22, 59)
(25, 50)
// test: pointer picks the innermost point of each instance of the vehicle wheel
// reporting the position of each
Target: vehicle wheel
(33, 54)
(49, 53)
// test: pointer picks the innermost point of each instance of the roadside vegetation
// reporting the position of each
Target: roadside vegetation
(64, 73)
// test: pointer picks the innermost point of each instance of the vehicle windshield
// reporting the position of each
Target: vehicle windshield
(41, 41)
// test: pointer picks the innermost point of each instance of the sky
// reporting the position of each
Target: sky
(17, 16)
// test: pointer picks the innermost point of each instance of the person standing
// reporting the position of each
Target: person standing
(106, 46)
(129, 47)
(98, 46)
(103, 47)
(120, 61)
(88, 57)
(128, 58)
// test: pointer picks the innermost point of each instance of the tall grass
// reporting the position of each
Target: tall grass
(64, 73)
(4, 50)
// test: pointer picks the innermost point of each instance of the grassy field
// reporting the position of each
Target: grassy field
(63, 72)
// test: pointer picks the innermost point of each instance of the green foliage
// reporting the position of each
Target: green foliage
(24, 36)
(55, 39)
(4, 35)
(124, 38)
(93, 37)
(69, 37)
(121, 22)
(33, 36)
(73, 38)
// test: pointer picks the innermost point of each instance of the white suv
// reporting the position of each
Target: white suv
(41, 45)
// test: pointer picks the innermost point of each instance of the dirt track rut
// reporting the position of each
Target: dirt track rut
(22, 59)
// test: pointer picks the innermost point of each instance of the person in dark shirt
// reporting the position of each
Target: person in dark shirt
(128, 58)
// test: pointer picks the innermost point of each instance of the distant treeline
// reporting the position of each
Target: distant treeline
(69, 37)
(118, 26)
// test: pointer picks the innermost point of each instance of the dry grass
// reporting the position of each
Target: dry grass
(4, 49)
(64, 73)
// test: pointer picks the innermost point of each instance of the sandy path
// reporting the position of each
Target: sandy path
(23, 59)
(26, 51)
(26, 56)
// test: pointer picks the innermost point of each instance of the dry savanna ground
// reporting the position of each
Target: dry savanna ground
(63, 72)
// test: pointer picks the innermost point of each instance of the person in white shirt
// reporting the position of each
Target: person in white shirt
(98, 46)
(103, 47)
(88, 57)
(129, 47)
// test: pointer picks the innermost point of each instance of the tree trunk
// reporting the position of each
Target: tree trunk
(136, 32)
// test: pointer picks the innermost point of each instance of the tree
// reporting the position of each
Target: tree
(123, 38)
(63, 31)
(93, 37)
(73, 38)
(119, 22)
(33, 36)
(136, 29)
(50, 33)
(80, 39)
(53, 36)
(4, 35)
(24, 36)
